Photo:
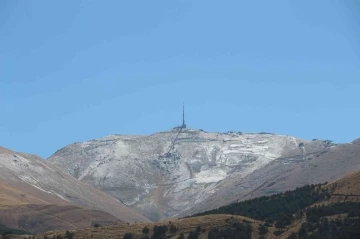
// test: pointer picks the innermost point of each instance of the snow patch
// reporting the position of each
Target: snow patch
(210, 176)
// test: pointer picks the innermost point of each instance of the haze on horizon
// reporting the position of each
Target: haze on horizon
(77, 70)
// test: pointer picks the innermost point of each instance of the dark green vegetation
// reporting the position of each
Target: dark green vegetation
(283, 209)
(128, 236)
(319, 226)
(351, 208)
(159, 232)
(4, 230)
(237, 231)
(279, 208)
(68, 235)
(234, 230)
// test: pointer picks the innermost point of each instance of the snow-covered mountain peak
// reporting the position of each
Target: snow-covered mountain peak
(164, 173)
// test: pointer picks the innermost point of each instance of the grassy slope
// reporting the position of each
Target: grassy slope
(183, 225)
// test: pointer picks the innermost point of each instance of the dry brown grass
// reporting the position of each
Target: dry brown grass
(12, 194)
(183, 226)
(346, 188)
(41, 218)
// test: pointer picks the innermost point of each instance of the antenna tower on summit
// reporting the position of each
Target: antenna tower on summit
(183, 124)
(180, 128)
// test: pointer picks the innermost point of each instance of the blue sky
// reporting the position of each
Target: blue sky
(78, 70)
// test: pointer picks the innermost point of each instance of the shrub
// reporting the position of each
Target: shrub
(69, 235)
(128, 235)
(193, 235)
(173, 228)
(263, 230)
(159, 231)
(145, 230)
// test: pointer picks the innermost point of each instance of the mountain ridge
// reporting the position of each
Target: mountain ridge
(161, 174)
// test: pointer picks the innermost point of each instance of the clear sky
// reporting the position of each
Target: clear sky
(73, 70)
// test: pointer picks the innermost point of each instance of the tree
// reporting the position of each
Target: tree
(128, 235)
(173, 228)
(69, 235)
(159, 232)
(193, 235)
(145, 230)
(302, 232)
(263, 230)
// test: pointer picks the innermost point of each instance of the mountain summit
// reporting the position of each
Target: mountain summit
(167, 173)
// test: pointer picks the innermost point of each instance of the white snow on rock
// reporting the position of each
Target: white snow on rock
(134, 169)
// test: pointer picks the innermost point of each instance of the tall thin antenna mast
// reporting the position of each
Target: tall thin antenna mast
(183, 124)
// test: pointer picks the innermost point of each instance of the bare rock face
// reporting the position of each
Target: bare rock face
(202, 170)
(37, 196)
(285, 173)
(147, 174)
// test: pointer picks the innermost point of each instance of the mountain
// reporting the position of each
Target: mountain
(162, 175)
(36, 196)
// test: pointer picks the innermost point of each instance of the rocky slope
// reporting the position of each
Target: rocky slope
(286, 173)
(37, 196)
(142, 172)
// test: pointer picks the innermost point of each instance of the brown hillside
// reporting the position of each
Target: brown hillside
(38, 218)
(29, 209)
(346, 188)
(37, 197)
(183, 226)
(19, 193)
